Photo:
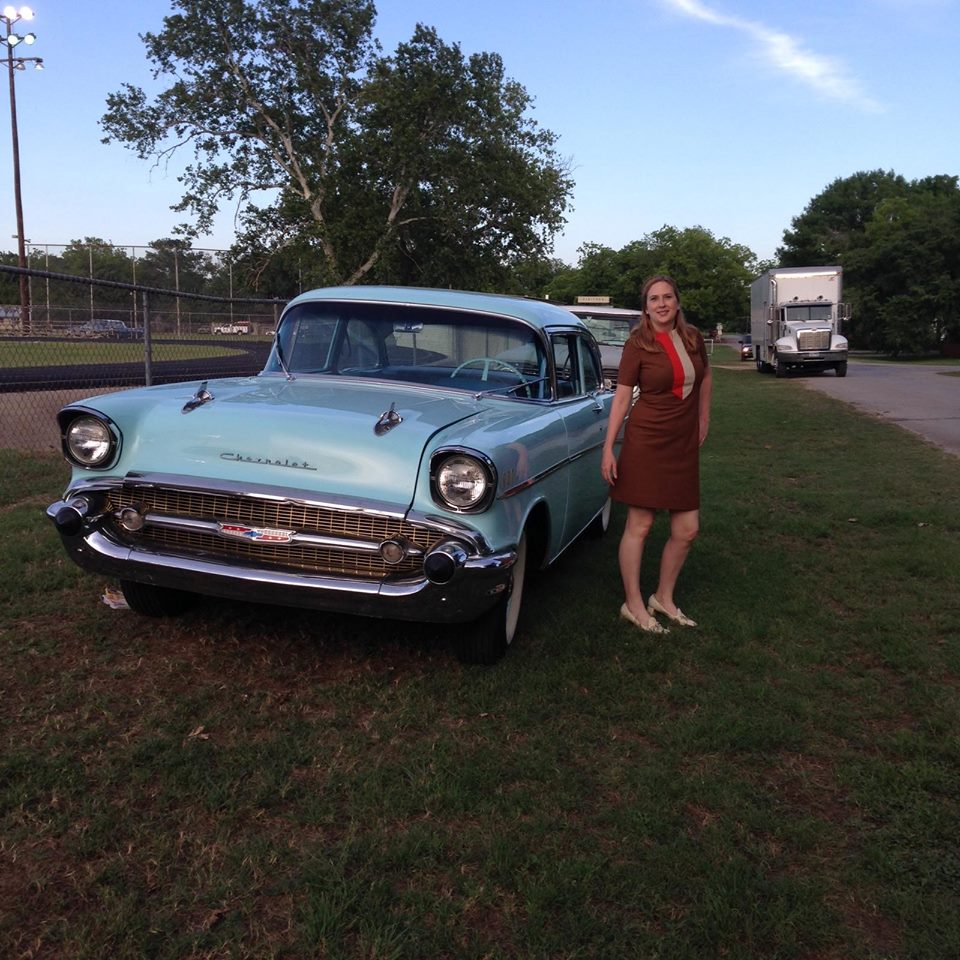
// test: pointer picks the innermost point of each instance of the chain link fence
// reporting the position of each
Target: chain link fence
(119, 335)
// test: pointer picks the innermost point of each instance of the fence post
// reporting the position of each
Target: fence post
(147, 345)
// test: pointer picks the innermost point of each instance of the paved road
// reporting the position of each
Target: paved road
(922, 398)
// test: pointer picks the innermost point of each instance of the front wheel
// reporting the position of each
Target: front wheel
(842, 369)
(779, 368)
(151, 601)
(487, 639)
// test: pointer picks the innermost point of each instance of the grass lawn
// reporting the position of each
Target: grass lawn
(783, 782)
(61, 353)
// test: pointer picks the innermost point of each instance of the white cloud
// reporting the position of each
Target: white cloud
(826, 75)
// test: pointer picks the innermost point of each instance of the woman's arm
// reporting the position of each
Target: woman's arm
(618, 410)
(706, 395)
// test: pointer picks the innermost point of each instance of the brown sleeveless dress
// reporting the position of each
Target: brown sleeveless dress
(659, 464)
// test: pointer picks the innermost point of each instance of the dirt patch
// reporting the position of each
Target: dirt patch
(28, 421)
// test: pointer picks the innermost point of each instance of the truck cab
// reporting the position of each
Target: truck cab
(805, 337)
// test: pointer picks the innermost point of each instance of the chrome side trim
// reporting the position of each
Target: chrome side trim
(260, 491)
(530, 481)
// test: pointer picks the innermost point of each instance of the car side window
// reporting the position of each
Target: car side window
(577, 369)
(592, 376)
(563, 361)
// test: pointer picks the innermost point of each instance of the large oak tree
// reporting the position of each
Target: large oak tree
(835, 220)
(422, 166)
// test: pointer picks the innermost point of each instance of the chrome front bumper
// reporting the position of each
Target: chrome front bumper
(473, 587)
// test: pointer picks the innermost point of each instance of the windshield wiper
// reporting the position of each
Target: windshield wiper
(516, 386)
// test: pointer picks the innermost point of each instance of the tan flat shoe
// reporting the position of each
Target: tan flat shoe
(655, 606)
(654, 626)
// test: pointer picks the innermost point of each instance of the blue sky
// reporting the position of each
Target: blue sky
(728, 114)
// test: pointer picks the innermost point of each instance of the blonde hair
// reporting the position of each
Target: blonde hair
(644, 332)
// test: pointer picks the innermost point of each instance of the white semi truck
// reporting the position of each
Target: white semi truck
(796, 316)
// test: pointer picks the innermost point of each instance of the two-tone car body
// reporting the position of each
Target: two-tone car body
(405, 453)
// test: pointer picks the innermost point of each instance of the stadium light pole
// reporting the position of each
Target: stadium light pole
(9, 18)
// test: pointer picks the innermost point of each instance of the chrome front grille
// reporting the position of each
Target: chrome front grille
(276, 514)
(813, 340)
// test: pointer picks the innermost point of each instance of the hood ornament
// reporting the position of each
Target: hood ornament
(201, 397)
(388, 420)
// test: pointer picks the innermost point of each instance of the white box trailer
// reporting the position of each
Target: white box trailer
(796, 317)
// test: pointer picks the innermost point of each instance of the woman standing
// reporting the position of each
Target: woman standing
(659, 465)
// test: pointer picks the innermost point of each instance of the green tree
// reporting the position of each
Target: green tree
(598, 271)
(100, 260)
(532, 277)
(172, 264)
(9, 287)
(422, 166)
(904, 280)
(835, 220)
(713, 274)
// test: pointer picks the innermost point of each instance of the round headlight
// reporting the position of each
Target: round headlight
(463, 482)
(89, 441)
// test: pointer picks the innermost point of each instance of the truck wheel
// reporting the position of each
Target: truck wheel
(487, 639)
(151, 601)
(842, 369)
(779, 368)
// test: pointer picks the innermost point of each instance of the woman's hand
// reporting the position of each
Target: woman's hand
(608, 467)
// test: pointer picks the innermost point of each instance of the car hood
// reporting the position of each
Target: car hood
(312, 434)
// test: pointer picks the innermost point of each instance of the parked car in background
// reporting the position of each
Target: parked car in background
(405, 453)
(238, 329)
(746, 347)
(107, 330)
(610, 327)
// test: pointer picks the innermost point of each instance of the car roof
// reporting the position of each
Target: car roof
(612, 313)
(536, 312)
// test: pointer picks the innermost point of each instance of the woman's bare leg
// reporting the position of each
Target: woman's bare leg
(635, 530)
(684, 527)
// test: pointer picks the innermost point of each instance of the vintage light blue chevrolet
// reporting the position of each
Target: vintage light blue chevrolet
(405, 453)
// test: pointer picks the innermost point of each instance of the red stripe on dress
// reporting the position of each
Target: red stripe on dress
(666, 341)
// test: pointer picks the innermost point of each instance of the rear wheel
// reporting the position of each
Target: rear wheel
(487, 639)
(151, 601)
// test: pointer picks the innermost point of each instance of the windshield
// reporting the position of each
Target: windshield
(607, 330)
(809, 312)
(411, 344)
